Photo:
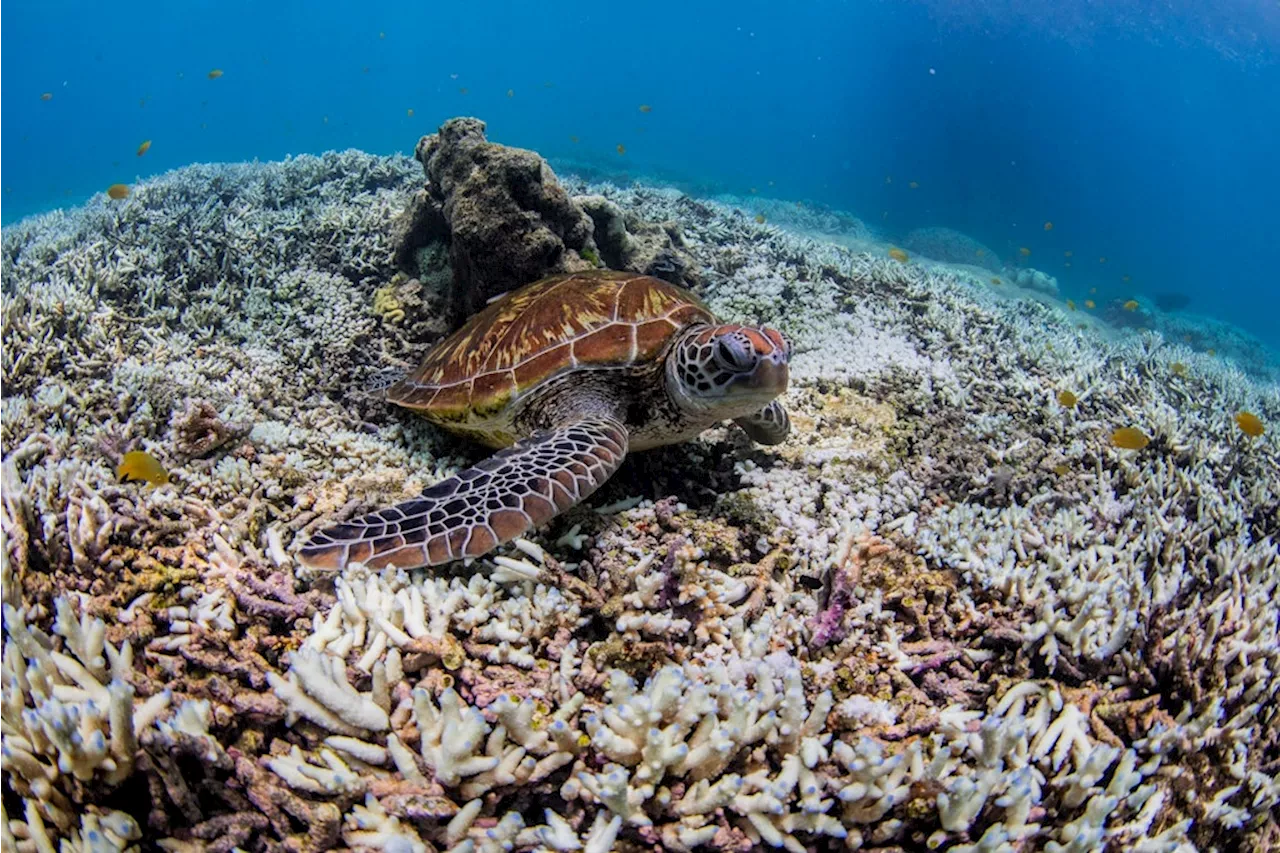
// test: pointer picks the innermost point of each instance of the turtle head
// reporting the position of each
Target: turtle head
(728, 371)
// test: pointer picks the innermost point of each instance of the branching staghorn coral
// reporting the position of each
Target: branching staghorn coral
(70, 717)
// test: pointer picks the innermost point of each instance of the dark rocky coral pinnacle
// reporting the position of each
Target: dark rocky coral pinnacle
(509, 221)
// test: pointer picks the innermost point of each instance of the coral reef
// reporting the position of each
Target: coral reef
(950, 246)
(1198, 332)
(805, 218)
(946, 614)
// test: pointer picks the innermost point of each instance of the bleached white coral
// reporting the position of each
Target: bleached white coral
(370, 826)
(68, 710)
(377, 611)
(316, 687)
(327, 775)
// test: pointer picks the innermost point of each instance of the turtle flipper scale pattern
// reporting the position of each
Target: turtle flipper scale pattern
(476, 510)
(770, 425)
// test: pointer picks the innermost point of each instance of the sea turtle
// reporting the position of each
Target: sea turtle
(566, 374)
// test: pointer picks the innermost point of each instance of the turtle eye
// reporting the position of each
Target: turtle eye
(733, 355)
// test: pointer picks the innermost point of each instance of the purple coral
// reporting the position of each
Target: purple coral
(828, 625)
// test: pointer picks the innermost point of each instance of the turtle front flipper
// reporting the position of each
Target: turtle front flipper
(476, 510)
(770, 425)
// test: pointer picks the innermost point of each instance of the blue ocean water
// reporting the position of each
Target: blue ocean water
(1145, 133)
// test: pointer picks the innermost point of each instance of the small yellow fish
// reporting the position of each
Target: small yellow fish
(1131, 305)
(144, 147)
(46, 96)
(622, 149)
(409, 112)
(215, 74)
(995, 280)
(645, 108)
(462, 90)
(1025, 252)
(1062, 469)
(140, 465)
(1071, 305)
(1211, 351)
(1090, 304)
(1067, 253)
(1124, 278)
(760, 218)
(1250, 424)
(511, 93)
(1093, 290)
(1129, 438)
(915, 185)
(573, 139)
(1179, 369)
(118, 191)
(980, 252)
(1048, 226)
(897, 254)
(1067, 399)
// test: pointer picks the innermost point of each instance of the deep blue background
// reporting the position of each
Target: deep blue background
(1149, 138)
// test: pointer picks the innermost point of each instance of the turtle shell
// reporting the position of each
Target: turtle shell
(578, 321)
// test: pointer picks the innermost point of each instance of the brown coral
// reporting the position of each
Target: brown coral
(199, 430)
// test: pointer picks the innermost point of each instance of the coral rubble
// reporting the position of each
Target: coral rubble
(946, 614)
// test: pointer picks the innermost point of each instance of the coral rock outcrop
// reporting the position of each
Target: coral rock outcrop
(630, 243)
(508, 220)
(1041, 282)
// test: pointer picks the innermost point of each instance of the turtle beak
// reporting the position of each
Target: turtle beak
(771, 376)
(772, 372)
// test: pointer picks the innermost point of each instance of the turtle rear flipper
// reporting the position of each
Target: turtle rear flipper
(476, 510)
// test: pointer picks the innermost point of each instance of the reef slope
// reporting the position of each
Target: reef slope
(946, 613)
